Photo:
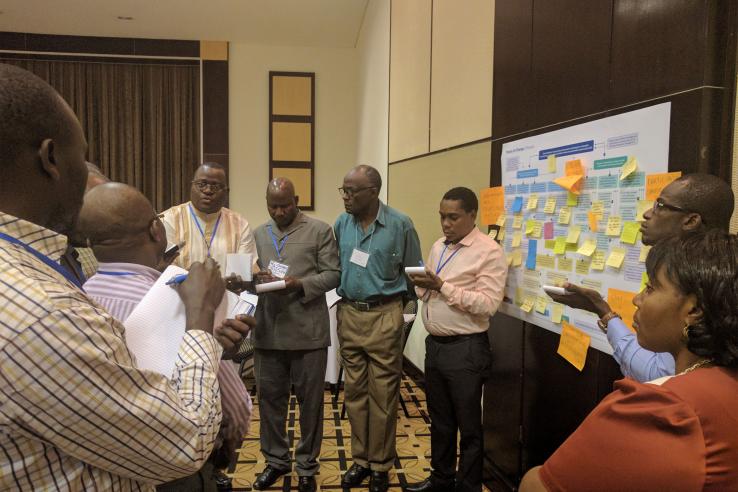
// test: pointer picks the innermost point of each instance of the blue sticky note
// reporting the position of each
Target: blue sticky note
(530, 262)
(518, 204)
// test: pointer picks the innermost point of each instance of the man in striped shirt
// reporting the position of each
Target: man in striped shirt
(116, 221)
(75, 412)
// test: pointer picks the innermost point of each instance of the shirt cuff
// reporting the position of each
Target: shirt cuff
(616, 329)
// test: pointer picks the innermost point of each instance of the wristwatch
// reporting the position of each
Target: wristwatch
(602, 322)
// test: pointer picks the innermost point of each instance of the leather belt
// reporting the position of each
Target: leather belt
(372, 303)
(456, 338)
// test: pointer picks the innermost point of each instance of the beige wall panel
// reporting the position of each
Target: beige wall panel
(291, 141)
(409, 111)
(291, 96)
(300, 178)
(461, 77)
(417, 186)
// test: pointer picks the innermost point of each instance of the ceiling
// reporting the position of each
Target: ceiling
(330, 23)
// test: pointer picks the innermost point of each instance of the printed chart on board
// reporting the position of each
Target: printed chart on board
(571, 203)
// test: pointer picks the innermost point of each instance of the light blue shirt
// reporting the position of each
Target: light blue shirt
(635, 361)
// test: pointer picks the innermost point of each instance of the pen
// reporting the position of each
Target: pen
(177, 279)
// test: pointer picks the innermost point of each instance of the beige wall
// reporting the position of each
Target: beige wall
(335, 117)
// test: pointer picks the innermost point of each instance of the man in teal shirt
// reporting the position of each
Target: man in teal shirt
(376, 243)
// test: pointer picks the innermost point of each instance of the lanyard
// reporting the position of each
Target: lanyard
(48, 261)
(278, 247)
(116, 274)
(440, 266)
(202, 232)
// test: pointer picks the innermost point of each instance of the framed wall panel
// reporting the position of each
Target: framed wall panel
(292, 132)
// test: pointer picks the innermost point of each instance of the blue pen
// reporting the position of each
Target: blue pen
(177, 279)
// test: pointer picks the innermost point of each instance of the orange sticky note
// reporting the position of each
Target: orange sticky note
(491, 204)
(657, 182)
(573, 167)
(572, 183)
(592, 221)
(621, 301)
(573, 345)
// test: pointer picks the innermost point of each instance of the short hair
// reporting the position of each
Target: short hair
(709, 196)
(213, 165)
(30, 111)
(706, 265)
(466, 196)
(372, 175)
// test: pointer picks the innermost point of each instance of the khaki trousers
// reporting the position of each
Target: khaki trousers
(371, 353)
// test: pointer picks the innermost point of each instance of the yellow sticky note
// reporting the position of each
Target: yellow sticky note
(564, 215)
(530, 225)
(560, 245)
(615, 260)
(657, 182)
(565, 264)
(592, 218)
(493, 234)
(557, 311)
(630, 166)
(588, 247)
(613, 226)
(644, 252)
(541, 305)
(642, 206)
(549, 243)
(598, 208)
(501, 220)
(537, 227)
(501, 235)
(582, 267)
(528, 304)
(621, 301)
(630, 232)
(573, 236)
(572, 183)
(517, 221)
(491, 204)
(517, 236)
(573, 345)
(550, 206)
(544, 261)
(644, 280)
(517, 258)
(552, 163)
(598, 260)
(509, 260)
(532, 202)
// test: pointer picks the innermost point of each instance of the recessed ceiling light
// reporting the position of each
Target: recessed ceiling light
(125, 17)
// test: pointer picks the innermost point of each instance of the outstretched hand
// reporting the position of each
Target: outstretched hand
(582, 298)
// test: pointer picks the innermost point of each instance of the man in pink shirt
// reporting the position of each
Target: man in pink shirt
(462, 287)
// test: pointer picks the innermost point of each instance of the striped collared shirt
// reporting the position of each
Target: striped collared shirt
(75, 412)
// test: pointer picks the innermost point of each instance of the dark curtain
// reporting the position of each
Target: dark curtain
(141, 120)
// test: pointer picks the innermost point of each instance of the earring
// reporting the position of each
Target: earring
(685, 331)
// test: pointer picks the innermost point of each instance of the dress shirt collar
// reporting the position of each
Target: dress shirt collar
(300, 219)
(381, 217)
(133, 268)
(468, 240)
(43, 240)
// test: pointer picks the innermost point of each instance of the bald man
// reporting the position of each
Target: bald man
(293, 333)
(129, 240)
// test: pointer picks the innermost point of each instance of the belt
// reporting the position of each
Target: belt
(372, 303)
(456, 338)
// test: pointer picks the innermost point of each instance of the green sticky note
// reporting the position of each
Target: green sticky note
(571, 199)
(560, 245)
(630, 232)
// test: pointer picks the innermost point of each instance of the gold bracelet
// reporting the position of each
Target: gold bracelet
(602, 322)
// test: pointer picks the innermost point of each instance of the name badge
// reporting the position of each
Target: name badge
(279, 270)
(359, 257)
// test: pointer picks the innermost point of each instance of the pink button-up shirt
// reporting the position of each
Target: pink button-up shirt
(473, 285)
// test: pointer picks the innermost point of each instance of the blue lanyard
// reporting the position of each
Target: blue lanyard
(202, 233)
(116, 274)
(277, 247)
(48, 261)
(440, 266)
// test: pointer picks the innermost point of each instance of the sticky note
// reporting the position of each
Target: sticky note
(644, 281)
(560, 245)
(582, 267)
(537, 228)
(509, 259)
(613, 226)
(630, 232)
(517, 258)
(491, 204)
(517, 204)
(598, 260)
(565, 264)
(621, 301)
(644, 252)
(541, 304)
(573, 236)
(557, 311)
(657, 182)
(548, 230)
(530, 225)
(550, 206)
(572, 199)
(598, 208)
(573, 345)
(501, 220)
(552, 163)
(493, 234)
(630, 166)
(572, 247)
(615, 260)
(549, 244)
(570, 183)
(517, 221)
(517, 236)
(588, 247)
(532, 202)
(592, 218)
(501, 235)
(574, 167)
(564, 215)
(530, 262)
(642, 206)
(528, 304)
(545, 261)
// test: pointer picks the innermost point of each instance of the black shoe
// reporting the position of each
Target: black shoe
(267, 478)
(354, 476)
(379, 481)
(307, 484)
(222, 481)
(426, 485)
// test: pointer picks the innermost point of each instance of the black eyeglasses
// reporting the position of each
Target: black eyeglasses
(660, 204)
(349, 192)
(203, 185)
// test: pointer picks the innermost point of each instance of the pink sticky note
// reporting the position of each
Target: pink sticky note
(548, 230)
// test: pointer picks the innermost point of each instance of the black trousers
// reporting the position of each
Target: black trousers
(455, 371)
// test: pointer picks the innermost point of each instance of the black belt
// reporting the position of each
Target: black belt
(456, 338)
(372, 303)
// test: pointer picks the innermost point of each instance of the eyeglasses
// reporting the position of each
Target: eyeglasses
(202, 185)
(349, 192)
(660, 204)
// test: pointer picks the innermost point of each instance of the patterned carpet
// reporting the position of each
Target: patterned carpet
(413, 445)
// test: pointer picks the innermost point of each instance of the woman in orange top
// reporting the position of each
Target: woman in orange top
(677, 433)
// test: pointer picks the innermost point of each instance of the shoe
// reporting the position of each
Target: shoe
(267, 478)
(354, 476)
(379, 481)
(307, 484)
(426, 485)
(222, 481)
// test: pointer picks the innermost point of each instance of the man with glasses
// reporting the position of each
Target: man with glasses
(375, 244)
(203, 226)
(692, 203)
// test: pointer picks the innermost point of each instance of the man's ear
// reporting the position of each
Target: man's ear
(157, 231)
(48, 159)
(692, 222)
(297, 200)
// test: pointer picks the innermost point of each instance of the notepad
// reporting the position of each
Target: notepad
(239, 264)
